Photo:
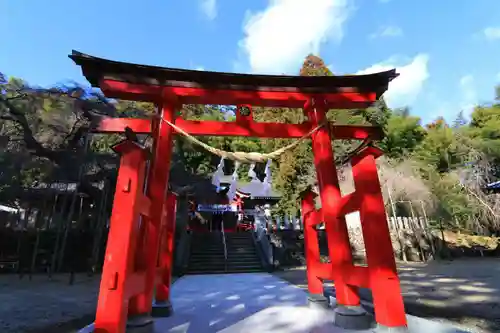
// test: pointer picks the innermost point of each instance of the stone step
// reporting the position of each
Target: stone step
(243, 259)
(242, 241)
(203, 247)
(244, 265)
(206, 268)
(227, 271)
(242, 254)
(207, 260)
(207, 251)
(241, 250)
(207, 245)
(207, 254)
(207, 264)
(212, 253)
(204, 254)
(207, 271)
(244, 270)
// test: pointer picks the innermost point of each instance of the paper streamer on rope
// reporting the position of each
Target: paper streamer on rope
(234, 183)
(218, 174)
(278, 222)
(267, 179)
(251, 172)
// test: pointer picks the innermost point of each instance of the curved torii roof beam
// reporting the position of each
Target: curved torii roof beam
(152, 83)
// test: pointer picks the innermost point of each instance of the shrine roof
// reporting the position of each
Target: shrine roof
(96, 69)
(251, 188)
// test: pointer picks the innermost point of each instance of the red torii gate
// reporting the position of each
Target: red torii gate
(132, 270)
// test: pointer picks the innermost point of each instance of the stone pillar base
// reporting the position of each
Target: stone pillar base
(140, 324)
(352, 318)
(162, 309)
(317, 301)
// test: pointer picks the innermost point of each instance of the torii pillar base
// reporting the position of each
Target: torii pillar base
(349, 317)
(352, 318)
(140, 324)
(317, 301)
(162, 309)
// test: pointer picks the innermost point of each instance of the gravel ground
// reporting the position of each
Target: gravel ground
(44, 305)
(463, 292)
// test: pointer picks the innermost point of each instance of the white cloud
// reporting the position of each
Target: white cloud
(492, 33)
(466, 81)
(403, 90)
(278, 38)
(209, 8)
(195, 66)
(388, 31)
(468, 92)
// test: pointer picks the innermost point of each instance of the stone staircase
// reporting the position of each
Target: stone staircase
(207, 254)
(241, 253)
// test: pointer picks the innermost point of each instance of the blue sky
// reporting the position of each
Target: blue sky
(448, 52)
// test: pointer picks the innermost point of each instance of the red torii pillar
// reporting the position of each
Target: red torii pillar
(382, 272)
(157, 186)
(121, 278)
(162, 306)
(336, 228)
(134, 249)
(380, 275)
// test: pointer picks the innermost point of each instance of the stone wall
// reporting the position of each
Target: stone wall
(408, 244)
(289, 245)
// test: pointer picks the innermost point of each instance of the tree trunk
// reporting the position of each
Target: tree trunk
(68, 224)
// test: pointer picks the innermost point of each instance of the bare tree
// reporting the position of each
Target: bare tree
(472, 180)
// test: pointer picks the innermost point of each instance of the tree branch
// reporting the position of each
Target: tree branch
(28, 136)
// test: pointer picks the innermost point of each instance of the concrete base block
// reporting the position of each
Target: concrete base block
(352, 318)
(162, 309)
(140, 324)
(317, 301)
(385, 329)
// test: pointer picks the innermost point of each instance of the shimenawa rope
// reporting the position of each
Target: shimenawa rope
(254, 157)
(240, 156)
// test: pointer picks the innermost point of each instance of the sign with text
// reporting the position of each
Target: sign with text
(217, 208)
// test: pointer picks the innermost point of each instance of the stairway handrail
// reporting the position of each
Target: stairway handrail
(261, 233)
(224, 243)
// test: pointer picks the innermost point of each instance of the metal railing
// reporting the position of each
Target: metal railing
(224, 243)
(261, 236)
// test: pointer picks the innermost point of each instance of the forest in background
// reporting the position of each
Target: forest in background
(44, 137)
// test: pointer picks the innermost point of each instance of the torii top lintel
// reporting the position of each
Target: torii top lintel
(152, 83)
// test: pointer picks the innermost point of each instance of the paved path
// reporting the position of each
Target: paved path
(256, 302)
(466, 291)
